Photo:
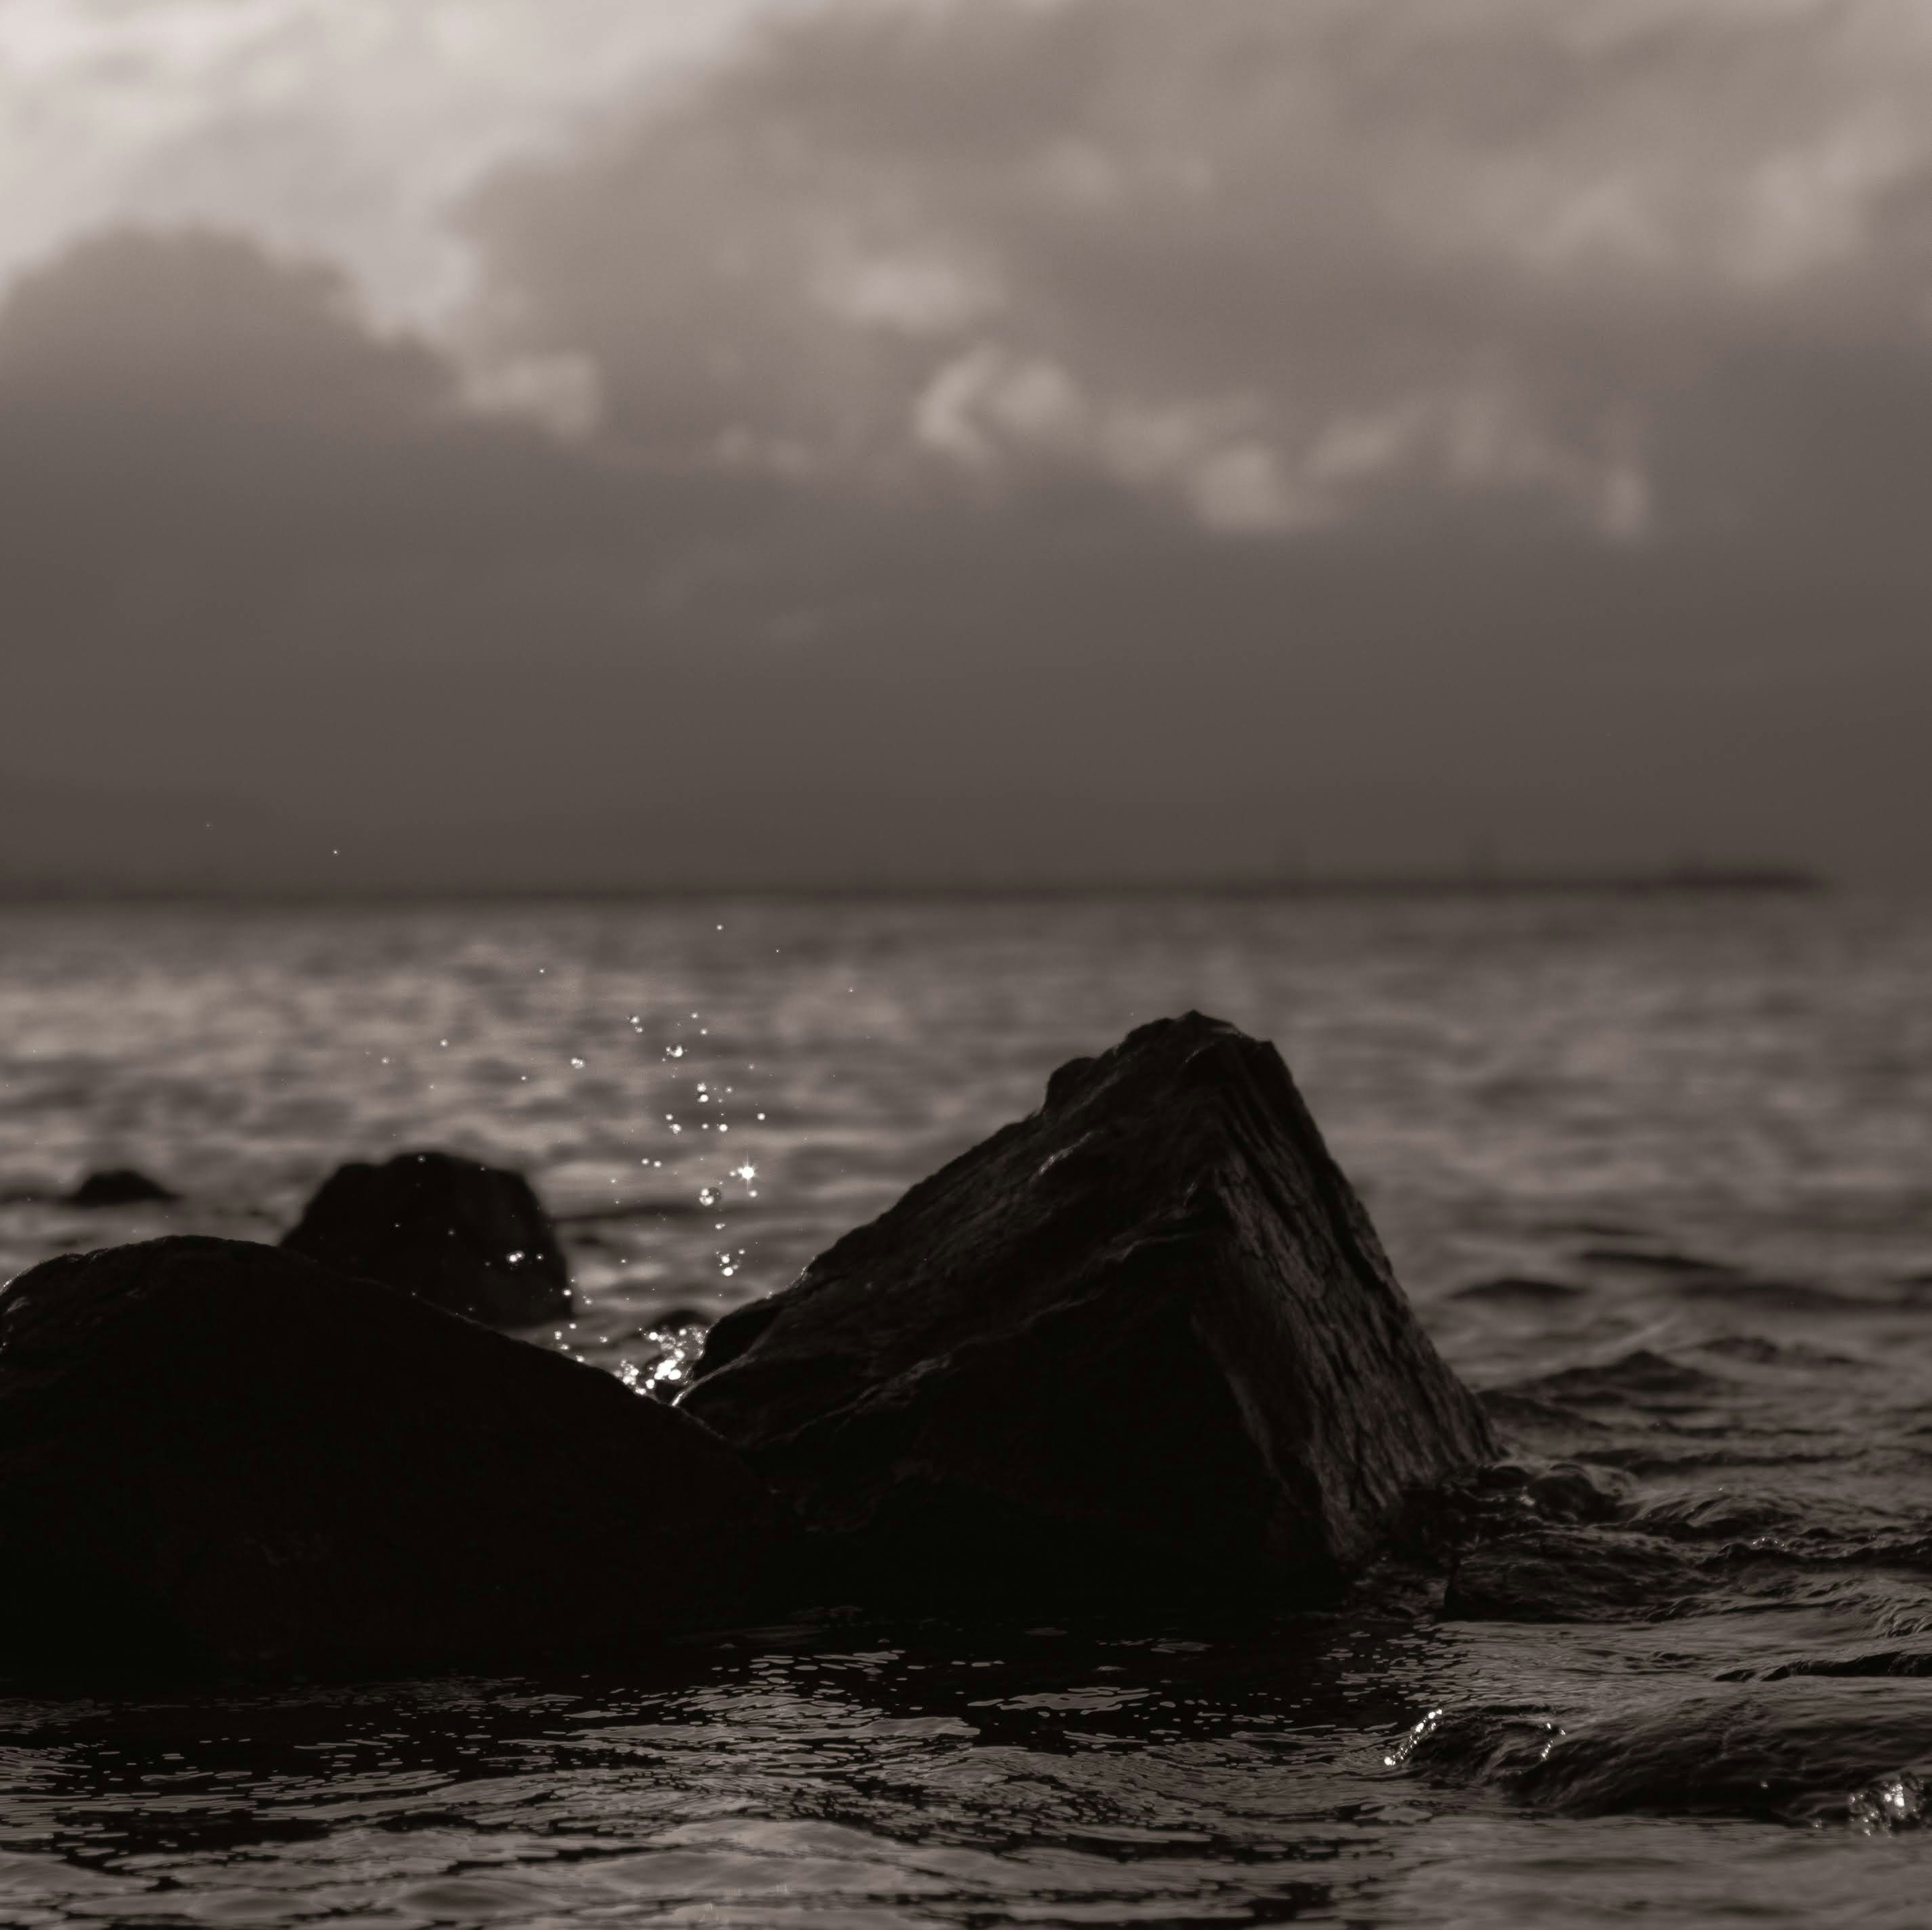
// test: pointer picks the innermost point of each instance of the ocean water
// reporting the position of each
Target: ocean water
(1656, 1173)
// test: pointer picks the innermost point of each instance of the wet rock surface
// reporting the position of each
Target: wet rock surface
(1144, 1338)
(473, 1238)
(216, 1452)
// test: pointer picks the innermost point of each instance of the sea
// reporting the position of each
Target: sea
(1655, 1170)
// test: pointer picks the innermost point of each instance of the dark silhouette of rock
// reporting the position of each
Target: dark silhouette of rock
(1518, 1290)
(1144, 1337)
(1652, 1260)
(468, 1237)
(217, 1451)
(118, 1186)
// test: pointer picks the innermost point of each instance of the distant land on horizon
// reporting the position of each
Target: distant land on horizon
(70, 843)
(1676, 880)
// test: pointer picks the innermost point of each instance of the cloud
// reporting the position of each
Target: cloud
(202, 323)
(1281, 267)
(342, 126)
(990, 410)
(1300, 265)
(968, 439)
(213, 463)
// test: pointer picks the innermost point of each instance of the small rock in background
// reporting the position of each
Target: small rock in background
(119, 1186)
(471, 1238)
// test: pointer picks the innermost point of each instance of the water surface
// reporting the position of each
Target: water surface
(1658, 1175)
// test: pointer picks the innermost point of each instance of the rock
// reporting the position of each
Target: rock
(118, 1186)
(1497, 1497)
(1518, 1290)
(1805, 1752)
(1651, 1260)
(216, 1451)
(1144, 1338)
(468, 1237)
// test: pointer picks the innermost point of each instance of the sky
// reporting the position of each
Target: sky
(594, 443)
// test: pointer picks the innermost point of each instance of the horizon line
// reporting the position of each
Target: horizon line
(1676, 881)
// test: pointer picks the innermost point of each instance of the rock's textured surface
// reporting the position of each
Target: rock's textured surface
(471, 1238)
(211, 1449)
(1147, 1334)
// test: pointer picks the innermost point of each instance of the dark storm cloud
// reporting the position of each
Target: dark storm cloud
(1045, 438)
(246, 539)
(206, 448)
(198, 324)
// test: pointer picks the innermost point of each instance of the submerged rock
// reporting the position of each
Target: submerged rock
(1804, 1751)
(1559, 1574)
(217, 1452)
(118, 1186)
(468, 1237)
(1144, 1338)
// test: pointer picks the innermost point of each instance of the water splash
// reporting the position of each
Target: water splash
(1889, 1804)
(663, 1372)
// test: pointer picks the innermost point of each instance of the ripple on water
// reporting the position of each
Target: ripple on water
(1551, 1108)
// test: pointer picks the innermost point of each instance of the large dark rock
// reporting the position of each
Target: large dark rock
(471, 1238)
(119, 1186)
(212, 1451)
(1145, 1337)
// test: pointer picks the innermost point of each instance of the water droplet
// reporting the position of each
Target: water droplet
(1891, 1802)
(1400, 1755)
